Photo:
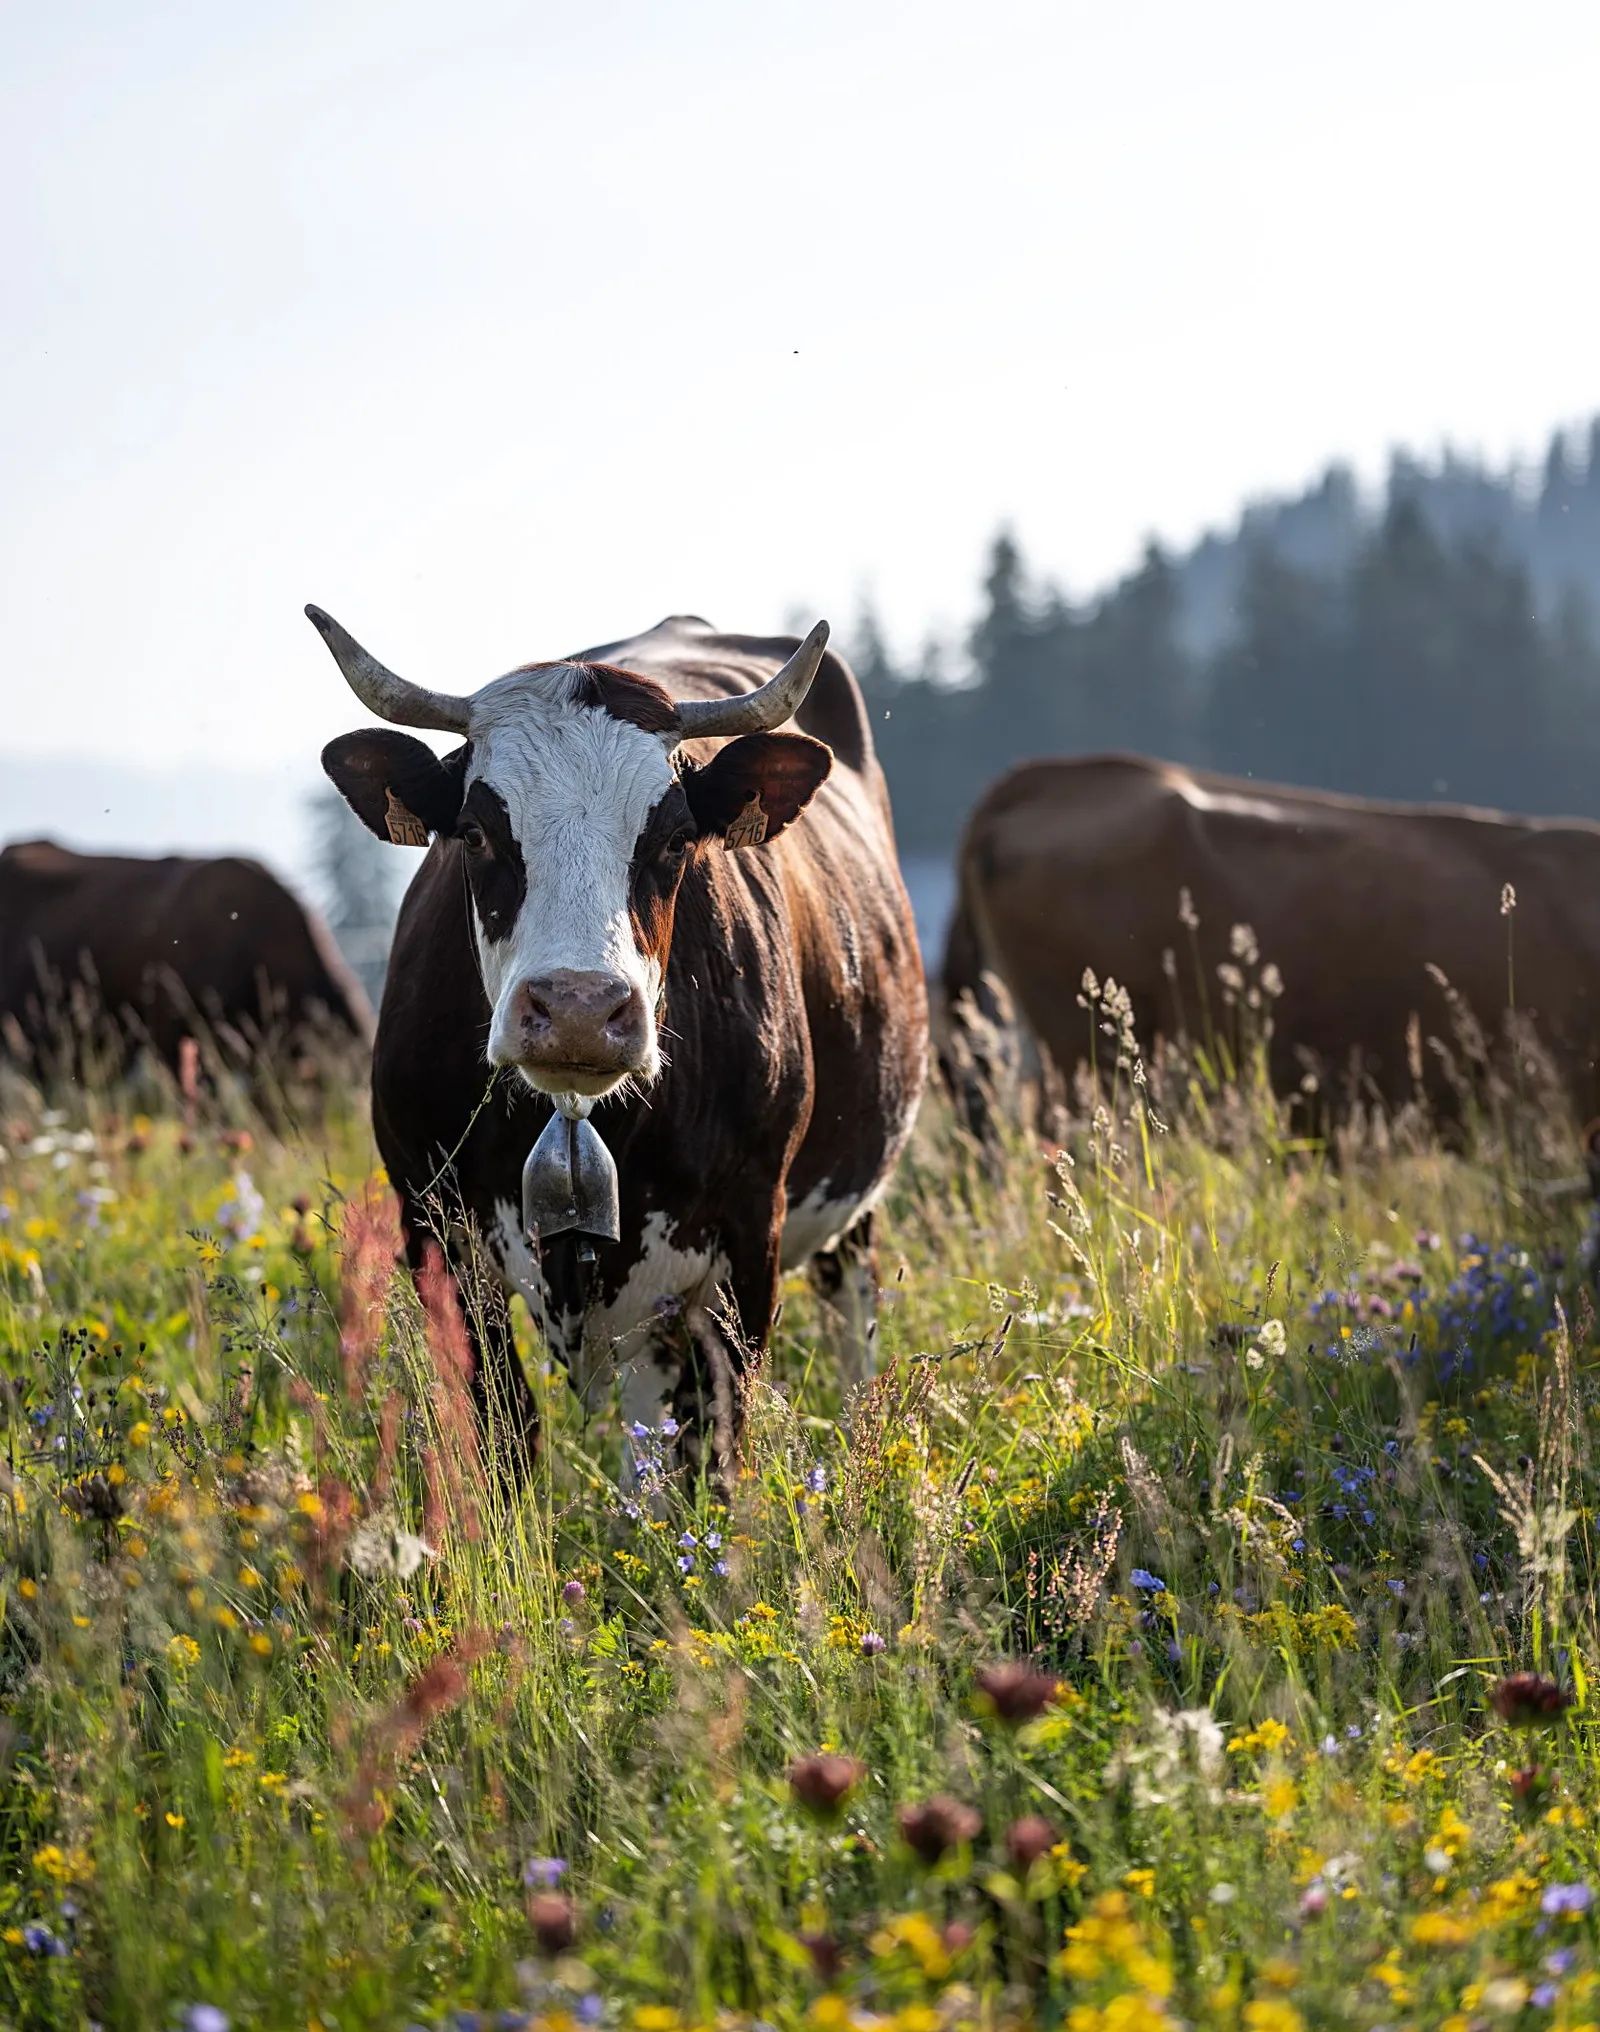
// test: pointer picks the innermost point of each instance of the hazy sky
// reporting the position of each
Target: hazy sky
(498, 329)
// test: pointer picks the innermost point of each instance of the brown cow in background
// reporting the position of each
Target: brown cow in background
(143, 952)
(1074, 864)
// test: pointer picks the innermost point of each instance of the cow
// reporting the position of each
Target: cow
(642, 901)
(109, 954)
(1068, 865)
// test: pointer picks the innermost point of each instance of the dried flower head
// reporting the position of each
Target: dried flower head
(1028, 1839)
(554, 1922)
(1015, 1693)
(938, 1825)
(1527, 1700)
(821, 1783)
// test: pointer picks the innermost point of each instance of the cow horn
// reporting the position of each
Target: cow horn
(390, 697)
(753, 712)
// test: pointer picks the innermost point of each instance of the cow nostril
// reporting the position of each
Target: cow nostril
(625, 1015)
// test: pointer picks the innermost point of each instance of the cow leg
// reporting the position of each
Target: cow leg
(722, 1335)
(845, 1278)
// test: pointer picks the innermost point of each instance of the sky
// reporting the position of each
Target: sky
(502, 329)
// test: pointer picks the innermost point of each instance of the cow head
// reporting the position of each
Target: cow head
(575, 817)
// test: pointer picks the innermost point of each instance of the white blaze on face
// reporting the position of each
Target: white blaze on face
(578, 786)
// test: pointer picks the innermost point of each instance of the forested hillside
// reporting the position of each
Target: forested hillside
(1439, 641)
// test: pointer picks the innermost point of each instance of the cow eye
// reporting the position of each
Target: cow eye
(471, 837)
(677, 846)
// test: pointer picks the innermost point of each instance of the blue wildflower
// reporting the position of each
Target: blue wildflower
(720, 1569)
(713, 1541)
(544, 1873)
(817, 1481)
(688, 1541)
(669, 1428)
(1560, 1900)
(1143, 1578)
(1544, 1995)
(205, 2018)
(40, 1940)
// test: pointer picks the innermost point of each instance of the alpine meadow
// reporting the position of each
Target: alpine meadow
(1190, 1623)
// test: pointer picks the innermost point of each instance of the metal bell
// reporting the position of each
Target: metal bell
(570, 1178)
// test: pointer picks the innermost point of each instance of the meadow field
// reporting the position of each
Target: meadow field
(1140, 1649)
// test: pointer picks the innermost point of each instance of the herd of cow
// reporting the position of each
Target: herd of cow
(655, 1027)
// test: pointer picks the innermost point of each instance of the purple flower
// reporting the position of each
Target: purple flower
(544, 1873)
(669, 1428)
(573, 1592)
(1143, 1578)
(590, 2009)
(40, 1940)
(721, 1569)
(686, 1562)
(1544, 1995)
(1561, 1899)
(206, 2018)
(817, 1481)
(713, 1541)
(638, 1432)
(1561, 1960)
(688, 1541)
(872, 1645)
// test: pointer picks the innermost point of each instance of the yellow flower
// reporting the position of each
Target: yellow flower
(1272, 2014)
(261, 1644)
(248, 1577)
(1280, 1797)
(174, 1820)
(308, 1505)
(655, 2018)
(1141, 1881)
(183, 1651)
(1268, 1735)
(1440, 1929)
(28, 1590)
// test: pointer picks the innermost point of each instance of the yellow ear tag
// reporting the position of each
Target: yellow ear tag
(749, 829)
(405, 828)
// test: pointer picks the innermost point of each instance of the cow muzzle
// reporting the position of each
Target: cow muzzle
(578, 1032)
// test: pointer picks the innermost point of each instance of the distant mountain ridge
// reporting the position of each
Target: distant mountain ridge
(1546, 518)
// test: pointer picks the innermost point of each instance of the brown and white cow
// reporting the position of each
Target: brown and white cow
(639, 892)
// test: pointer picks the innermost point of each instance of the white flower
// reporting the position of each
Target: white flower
(1272, 1339)
(1222, 1894)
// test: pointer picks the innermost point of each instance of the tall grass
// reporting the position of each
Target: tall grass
(1272, 1463)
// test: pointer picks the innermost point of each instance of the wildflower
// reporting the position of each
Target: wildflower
(817, 1481)
(1526, 1700)
(1440, 1929)
(1015, 1693)
(1028, 1839)
(1544, 1995)
(939, 1824)
(669, 1428)
(183, 1651)
(544, 1873)
(40, 1940)
(205, 2018)
(872, 1645)
(688, 1541)
(1562, 1901)
(721, 1569)
(573, 1592)
(820, 1783)
(1141, 1577)
(553, 1920)
(1272, 2014)
(713, 1541)
(1222, 1893)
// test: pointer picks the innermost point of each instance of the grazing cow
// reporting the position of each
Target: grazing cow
(142, 952)
(623, 904)
(1075, 864)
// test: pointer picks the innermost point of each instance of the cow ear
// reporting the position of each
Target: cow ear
(755, 786)
(396, 786)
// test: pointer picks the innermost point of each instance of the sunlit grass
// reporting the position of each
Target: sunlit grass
(309, 1720)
